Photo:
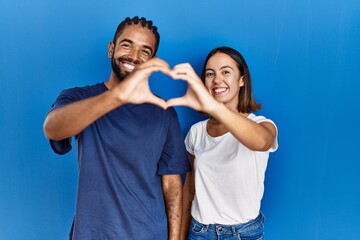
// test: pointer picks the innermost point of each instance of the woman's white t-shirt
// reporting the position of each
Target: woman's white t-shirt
(229, 177)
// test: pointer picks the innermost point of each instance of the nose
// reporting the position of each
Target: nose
(134, 55)
(217, 79)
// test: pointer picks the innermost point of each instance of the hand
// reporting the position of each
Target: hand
(196, 96)
(135, 87)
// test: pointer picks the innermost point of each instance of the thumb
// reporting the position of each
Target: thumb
(158, 102)
(176, 102)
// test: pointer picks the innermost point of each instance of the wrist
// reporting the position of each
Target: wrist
(114, 98)
(216, 108)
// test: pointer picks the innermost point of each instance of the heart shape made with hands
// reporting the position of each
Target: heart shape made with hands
(145, 84)
(166, 87)
(185, 88)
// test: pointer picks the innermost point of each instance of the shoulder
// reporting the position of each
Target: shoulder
(199, 126)
(77, 93)
(85, 91)
(259, 119)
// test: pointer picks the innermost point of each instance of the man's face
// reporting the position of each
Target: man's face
(133, 46)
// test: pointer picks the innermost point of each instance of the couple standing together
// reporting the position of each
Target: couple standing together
(131, 151)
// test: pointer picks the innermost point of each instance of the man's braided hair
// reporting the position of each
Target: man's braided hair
(138, 21)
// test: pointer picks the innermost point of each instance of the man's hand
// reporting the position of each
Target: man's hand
(135, 88)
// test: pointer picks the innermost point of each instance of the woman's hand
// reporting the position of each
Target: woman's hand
(196, 96)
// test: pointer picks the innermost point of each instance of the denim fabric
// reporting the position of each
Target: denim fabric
(252, 230)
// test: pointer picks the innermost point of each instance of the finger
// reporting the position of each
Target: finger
(155, 68)
(158, 102)
(159, 61)
(182, 65)
(182, 76)
(176, 102)
(185, 73)
(155, 61)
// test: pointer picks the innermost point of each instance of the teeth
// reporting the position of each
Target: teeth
(217, 90)
(129, 66)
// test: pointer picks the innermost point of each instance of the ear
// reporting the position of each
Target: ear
(241, 81)
(111, 49)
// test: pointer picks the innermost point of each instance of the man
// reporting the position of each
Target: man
(130, 150)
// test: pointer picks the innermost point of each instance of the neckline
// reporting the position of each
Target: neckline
(249, 116)
(207, 133)
(105, 86)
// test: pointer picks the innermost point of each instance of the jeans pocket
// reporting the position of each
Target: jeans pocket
(254, 231)
(197, 229)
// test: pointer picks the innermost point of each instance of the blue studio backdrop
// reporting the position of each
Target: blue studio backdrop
(304, 61)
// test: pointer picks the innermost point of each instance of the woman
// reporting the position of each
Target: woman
(228, 152)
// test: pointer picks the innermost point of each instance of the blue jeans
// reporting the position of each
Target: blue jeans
(252, 230)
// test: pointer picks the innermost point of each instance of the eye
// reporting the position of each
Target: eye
(209, 74)
(226, 72)
(146, 52)
(125, 46)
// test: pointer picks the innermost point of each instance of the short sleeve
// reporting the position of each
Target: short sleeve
(174, 157)
(275, 144)
(189, 141)
(260, 119)
(62, 146)
(65, 97)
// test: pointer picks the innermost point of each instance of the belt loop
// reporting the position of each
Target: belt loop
(234, 231)
(207, 227)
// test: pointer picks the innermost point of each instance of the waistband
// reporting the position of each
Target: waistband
(220, 228)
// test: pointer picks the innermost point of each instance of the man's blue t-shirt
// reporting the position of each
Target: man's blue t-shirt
(121, 158)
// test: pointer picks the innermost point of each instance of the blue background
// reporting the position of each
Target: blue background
(304, 60)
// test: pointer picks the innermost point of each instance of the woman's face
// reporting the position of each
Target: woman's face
(223, 80)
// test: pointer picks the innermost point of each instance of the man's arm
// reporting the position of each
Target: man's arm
(188, 197)
(71, 119)
(172, 190)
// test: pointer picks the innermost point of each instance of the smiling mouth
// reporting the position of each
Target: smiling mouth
(128, 67)
(218, 91)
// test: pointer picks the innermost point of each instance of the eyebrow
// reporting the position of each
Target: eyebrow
(131, 42)
(223, 67)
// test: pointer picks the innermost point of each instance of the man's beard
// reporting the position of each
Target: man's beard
(116, 69)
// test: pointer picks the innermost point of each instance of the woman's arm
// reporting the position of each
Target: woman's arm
(257, 137)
